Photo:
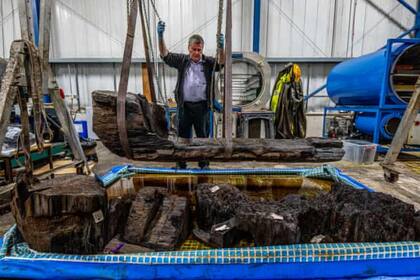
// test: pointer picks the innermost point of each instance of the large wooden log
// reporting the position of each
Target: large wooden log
(63, 215)
(147, 133)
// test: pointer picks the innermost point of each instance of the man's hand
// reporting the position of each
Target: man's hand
(161, 28)
(220, 41)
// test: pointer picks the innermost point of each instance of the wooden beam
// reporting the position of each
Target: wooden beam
(400, 137)
(8, 89)
(67, 126)
(44, 42)
(406, 123)
(26, 20)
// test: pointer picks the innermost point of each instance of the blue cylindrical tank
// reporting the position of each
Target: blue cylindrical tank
(359, 81)
(365, 123)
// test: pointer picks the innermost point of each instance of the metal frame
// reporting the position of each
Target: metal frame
(379, 113)
(384, 97)
(385, 105)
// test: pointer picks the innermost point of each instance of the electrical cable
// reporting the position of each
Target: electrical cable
(149, 41)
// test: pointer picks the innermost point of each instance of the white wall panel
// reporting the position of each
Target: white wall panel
(92, 28)
(297, 28)
(97, 28)
(9, 25)
(94, 77)
(324, 28)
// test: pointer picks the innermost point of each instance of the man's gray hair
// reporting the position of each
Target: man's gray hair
(194, 39)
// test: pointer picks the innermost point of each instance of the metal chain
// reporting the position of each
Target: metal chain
(154, 9)
(157, 77)
(149, 41)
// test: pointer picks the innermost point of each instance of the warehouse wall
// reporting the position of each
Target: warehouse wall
(88, 37)
(330, 28)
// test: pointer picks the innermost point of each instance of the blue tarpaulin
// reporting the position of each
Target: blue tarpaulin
(394, 260)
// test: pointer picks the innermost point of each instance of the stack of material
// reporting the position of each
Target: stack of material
(147, 138)
(344, 215)
(157, 219)
(62, 215)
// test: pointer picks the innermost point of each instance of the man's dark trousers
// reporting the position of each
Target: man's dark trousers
(193, 114)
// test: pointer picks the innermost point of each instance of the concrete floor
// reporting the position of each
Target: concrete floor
(406, 189)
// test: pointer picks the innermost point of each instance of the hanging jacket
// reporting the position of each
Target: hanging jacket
(287, 103)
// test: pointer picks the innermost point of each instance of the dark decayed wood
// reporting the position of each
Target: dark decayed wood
(147, 137)
(157, 219)
(66, 214)
(345, 214)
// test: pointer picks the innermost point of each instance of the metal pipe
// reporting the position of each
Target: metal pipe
(408, 6)
(315, 92)
(334, 31)
(36, 18)
(77, 87)
(414, 28)
(417, 21)
(228, 77)
(256, 26)
(114, 77)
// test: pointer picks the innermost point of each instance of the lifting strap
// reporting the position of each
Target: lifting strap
(125, 70)
(218, 53)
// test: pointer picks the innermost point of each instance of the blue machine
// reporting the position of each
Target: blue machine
(377, 87)
(368, 80)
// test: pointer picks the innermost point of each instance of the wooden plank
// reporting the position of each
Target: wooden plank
(44, 41)
(146, 85)
(67, 126)
(8, 89)
(25, 19)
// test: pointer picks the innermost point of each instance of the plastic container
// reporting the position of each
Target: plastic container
(359, 151)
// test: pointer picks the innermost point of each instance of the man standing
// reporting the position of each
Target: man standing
(192, 92)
